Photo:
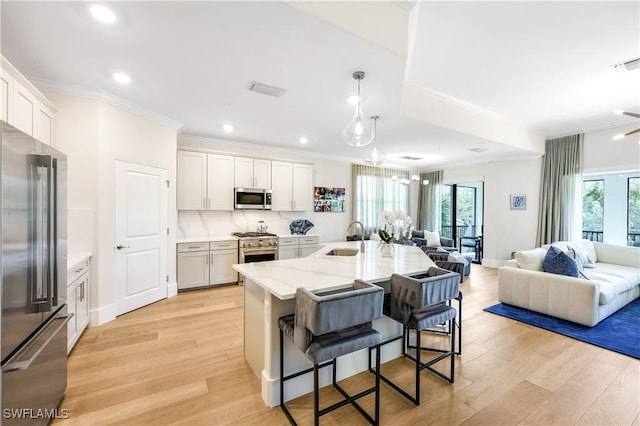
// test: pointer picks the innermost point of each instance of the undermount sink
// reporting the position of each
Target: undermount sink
(343, 252)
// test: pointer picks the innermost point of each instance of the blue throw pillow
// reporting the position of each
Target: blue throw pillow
(558, 262)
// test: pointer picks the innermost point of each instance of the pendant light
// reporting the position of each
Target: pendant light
(359, 131)
(375, 157)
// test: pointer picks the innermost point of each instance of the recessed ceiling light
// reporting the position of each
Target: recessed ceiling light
(304, 140)
(227, 128)
(103, 14)
(121, 78)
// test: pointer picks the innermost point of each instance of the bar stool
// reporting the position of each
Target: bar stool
(448, 262)
(420, 304)
(325, 327)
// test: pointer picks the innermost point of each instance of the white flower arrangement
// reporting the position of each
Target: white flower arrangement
(395, 226)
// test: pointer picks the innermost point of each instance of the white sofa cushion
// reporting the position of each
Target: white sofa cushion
(614, 280)
(584, 248)
(618, 255)
(531, 259)
(581, 255)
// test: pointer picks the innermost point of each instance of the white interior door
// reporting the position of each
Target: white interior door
(141, 235)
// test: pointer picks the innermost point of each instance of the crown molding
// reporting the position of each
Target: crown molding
(630, 122)
(108, 98)
(233, 146)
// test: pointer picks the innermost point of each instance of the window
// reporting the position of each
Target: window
(377, 189)
(459, 206)
(446, 228)
(633, 211)
(593, 209)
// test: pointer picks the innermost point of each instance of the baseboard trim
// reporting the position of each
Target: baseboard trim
(492, 263)
(102, 315)
(172, 289)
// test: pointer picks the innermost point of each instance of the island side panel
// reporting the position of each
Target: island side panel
(254, 326)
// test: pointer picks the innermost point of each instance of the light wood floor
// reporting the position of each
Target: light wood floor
(180, 361)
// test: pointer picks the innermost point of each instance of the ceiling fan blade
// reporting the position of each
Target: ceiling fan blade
(631, 114)
(632, 132)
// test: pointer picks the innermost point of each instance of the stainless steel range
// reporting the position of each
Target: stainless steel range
(257, 246)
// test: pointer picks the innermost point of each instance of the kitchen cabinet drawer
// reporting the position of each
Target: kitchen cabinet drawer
(187, 247)
(223, 245)
(288, 241)
(76, 270)
(312, 239)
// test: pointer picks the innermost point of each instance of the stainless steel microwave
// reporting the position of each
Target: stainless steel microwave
(252, 199)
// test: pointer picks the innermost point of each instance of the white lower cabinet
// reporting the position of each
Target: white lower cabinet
(224, 254)
(207, 264)
(77, 301)
(296, 246)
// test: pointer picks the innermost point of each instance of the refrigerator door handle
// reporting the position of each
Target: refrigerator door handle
(53, 245)
(48, 333)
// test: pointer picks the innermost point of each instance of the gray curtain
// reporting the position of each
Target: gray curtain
(375, 191)
(559, 214)
(429, 201)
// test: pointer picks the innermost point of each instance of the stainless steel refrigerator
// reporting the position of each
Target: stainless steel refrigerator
(34, 270)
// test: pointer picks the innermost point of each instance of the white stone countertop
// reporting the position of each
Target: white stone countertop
(322, 272)
(205, 239)
(75, 258)
(297, 235)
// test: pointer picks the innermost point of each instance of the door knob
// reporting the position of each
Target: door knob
(120, 246)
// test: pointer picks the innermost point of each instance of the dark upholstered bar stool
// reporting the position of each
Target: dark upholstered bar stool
(325, 327)
(420, 304)
(445, 261)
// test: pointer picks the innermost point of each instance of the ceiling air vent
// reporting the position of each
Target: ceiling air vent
(408, 157)
(478, 150)
(630, 65)
(265, 89)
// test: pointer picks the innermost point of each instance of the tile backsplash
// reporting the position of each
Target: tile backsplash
(330, 226)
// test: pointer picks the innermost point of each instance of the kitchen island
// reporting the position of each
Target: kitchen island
(269, 293)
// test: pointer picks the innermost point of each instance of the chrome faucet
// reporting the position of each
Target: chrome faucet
(362, 227)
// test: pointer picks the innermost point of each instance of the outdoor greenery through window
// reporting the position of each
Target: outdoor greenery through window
(462, 202)
(593, 209)
(633, 209)
(377, 191)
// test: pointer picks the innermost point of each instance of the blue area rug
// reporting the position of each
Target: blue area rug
(620, 332)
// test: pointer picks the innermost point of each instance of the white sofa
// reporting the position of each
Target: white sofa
(612, 283)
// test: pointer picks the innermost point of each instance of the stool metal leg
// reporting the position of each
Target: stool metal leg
(316, 396)
(418, 365)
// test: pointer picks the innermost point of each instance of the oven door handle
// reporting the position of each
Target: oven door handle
(252, 252)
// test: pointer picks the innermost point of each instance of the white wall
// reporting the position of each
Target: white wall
(505, 230)
(508, 230)
(94, 135)
(329, 173)
(601, 154)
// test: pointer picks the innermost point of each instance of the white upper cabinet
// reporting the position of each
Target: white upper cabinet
(204, 181)
(252, 173)
(23, 106)
(302, 192)
(220, 182)
(191, 190)
(292, 186)
(281, 175)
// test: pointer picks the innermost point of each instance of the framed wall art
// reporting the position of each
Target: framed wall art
(328, 200)
(518, 202)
